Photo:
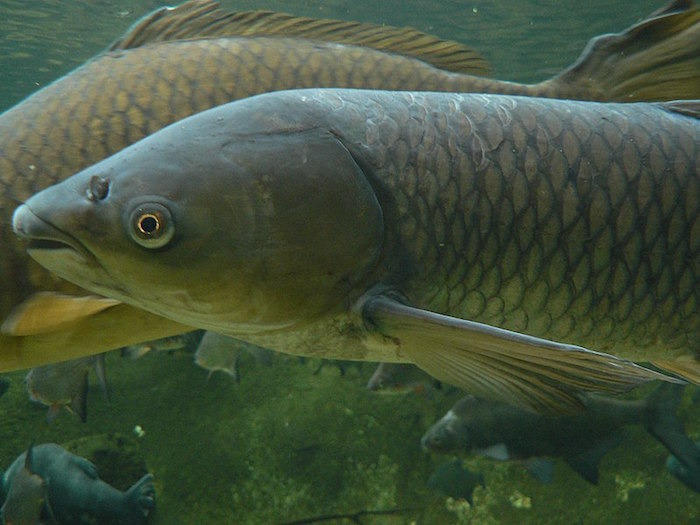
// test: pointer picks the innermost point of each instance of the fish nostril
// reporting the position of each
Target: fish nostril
(97, 189)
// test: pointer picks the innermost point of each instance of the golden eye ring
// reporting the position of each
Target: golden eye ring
(151, 225)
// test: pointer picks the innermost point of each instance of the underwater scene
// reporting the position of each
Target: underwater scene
(477, 303)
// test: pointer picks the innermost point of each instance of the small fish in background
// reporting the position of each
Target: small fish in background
(218, 352)
(401, 378)
(24, 494)
(75, 493)
(688, 476)
(454, 480)
(65, 385)
(506, 432)
(177, 343)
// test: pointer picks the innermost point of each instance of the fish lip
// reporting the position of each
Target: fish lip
(44, 236)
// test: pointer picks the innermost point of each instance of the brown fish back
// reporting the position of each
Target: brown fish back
(199, 19)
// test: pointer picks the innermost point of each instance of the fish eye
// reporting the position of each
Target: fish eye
(151, 225)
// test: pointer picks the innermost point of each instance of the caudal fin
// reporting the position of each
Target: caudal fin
(141, 500)
(662, 422)
(656, 59)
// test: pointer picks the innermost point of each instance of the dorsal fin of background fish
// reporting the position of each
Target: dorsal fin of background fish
(656, 59)
(199, 19)
(659, 54)
(689, 108)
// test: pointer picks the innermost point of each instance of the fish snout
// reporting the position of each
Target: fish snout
(43, 236)
(22, 220)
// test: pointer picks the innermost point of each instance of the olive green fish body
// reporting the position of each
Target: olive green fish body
(574, 222)
(571, 221)
(478, 236)
(177, 62)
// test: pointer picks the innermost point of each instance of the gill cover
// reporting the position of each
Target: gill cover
(237, 231)
(317, 226)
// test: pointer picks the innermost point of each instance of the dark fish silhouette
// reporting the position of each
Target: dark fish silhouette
(508, 433)
(75, 492)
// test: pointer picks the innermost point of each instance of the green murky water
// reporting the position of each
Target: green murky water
(286, 443)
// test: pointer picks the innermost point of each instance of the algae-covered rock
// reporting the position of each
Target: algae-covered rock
(117, 457)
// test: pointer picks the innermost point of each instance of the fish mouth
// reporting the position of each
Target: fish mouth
(44, 237)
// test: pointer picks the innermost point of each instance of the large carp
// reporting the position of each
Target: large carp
(477, 236)
(177, 62)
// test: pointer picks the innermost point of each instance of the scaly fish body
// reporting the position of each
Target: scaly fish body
(180, 61)
(305, 221)
(176, 63)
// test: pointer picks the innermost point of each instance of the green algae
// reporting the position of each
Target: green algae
(286, 444)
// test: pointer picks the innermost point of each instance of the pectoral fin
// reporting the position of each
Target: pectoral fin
(525, 371)
(46, 311)
(114, 327)
(87, 466)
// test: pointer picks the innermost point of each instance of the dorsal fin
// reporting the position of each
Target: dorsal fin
(198, 19)
(655, 59)
(689, 108)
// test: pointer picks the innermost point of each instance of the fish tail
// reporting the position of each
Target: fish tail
(656, 59)
(140, 500)
(661, 421)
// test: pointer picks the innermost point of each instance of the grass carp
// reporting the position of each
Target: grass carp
(177, 62)
(505, 432)
(466, 233)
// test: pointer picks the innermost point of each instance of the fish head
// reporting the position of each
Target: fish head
(230, 220)
(449, 435)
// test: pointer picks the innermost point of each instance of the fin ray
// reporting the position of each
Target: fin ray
(533, 373)
(46, 311)
(199, 19)
(118, 326)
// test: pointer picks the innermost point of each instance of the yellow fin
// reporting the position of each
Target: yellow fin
(686, 367)
(656, 59)
(535, 374)
(204, 19)
(114, 327)
(46, 311)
